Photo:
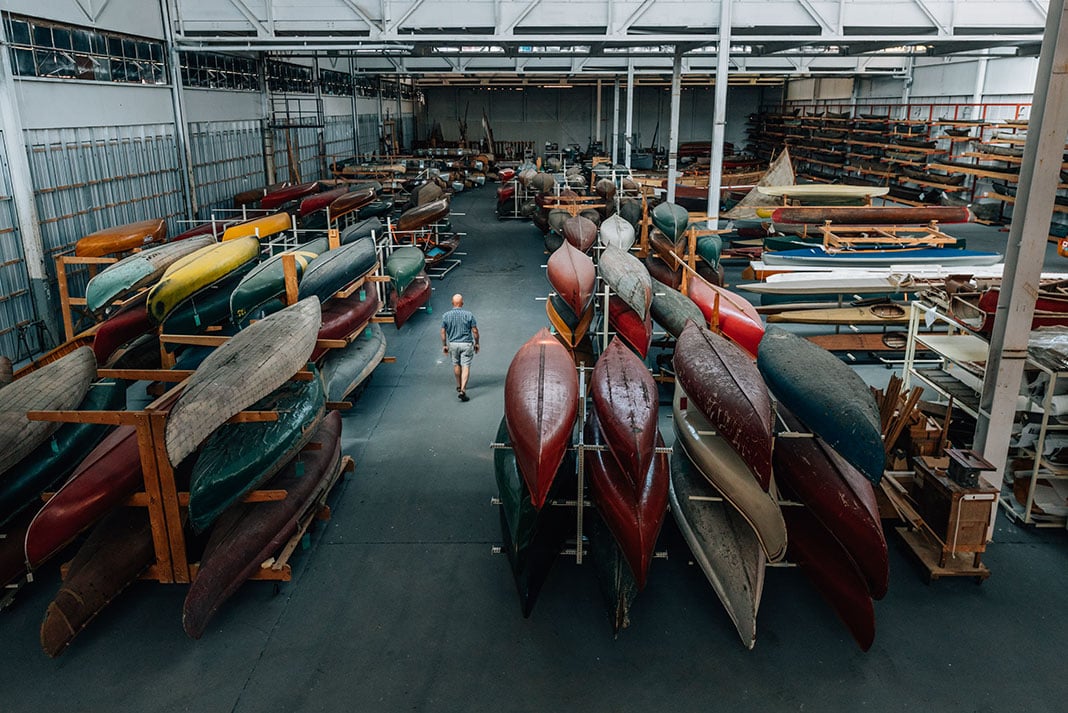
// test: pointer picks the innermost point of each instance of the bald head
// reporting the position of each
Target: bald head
(457, 300)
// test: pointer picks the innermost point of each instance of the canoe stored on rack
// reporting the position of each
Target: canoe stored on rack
(580, 231)
(618, 232)
(636, 332)
(573, 275)
(709, 248)
(556, 219)
(332, 270)
(671, 219)
(625, 397)
(882, 258)
(121, 238)
(341, 317)
(284, 195)
(319, 201)
(403, 264)
(196, 271)
(670, 308)
(407, 304)
(422, 215)
(376, 208)
(127, 324)
(614, 575)
(137, 271)
(823, 190)
(571, 328)
(351, 201)
(259, 228)
(870, 215)
(876, 314)
(628, 278)
(425, 193)
(736, 317)
(366, 228)
(267, 282)
(206, 308)
(346, 368)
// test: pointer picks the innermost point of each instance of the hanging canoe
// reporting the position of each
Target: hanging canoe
(351, 201)
(581, 232)
(422, 216)
(259, 228)
(870, 215)
(58, 386)
(319, 201)
(417, 295)
(250, 534)
(127, 324)
(569, 326)
(121, 238)
(541, 404)
(267, 281)
(827, 396)
(252, 364)
(671, 309)
(725, 385)
(616, 231)
(196, 271)
(628, 278)
(637, 333)
(573, 275)
(238, 457)
(346, 368)
(284, 195)
(334, 269)
(626, 400)
(137, 271)
(723, 544)
(877, 314)
(721, 465)
(403, 264)
(342, 317)
(736, 318)
(672, 220)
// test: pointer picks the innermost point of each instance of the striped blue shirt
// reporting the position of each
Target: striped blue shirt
(457, 323)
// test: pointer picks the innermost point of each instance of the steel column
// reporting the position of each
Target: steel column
(268, 130)
(181, 129)
(615, 122)
(597, 124)
(355, 113)
(628, 139)
(673, 126)
(719, 110)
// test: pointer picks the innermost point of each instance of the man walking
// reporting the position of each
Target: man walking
(459, 337)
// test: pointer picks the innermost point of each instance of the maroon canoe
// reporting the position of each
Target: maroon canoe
(573, 275)
(342, 317)
(253, 195)
(625, 396)
(832, 572)
(423, 215)
(215, 228)
(727, 388)
(415, 296)
(581, 232)
(289, 193)
(353, 200)
(540, 405)
(870, 215)
(634, 510)
(737, 318)
(247, 535)
(635, 331)
(319, 201)
(126, 325)
(505, 193)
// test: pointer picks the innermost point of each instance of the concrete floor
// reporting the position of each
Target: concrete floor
(399, 604)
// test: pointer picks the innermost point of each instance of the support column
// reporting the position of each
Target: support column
(673, 127)
(597, 123)
(1026, 247)
(980, 84)
(719, 110)
(615, 122)
(398, 134)
(355, 112)
(381, 125)
(268, 128)
(628, 139)
(181, 129)
(320, 110)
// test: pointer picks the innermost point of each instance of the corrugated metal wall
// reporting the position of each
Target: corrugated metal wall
(302, 144)
(337, 135)
(227, 159)
(368, 132)
(16, 303)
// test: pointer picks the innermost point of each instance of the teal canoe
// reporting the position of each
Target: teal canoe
(137, 271)
(238, 457)
(345, 369)
(403, 265)
(709, 248)
(362, 229)
(267, 280)
(671, 219)
(334, 269)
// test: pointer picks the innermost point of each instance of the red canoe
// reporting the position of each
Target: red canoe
(626, 399)
(423, 215)
(319, 201)
(581, 232)
(126, 325)
(738, 319)
(215, 228)
(540, 405)
(635, 331)
(573, 275)
(415, 296)
(839, 496)
(727, 388)
(505, 193)
(1050, 311)
(870, 215)
(289, 193)
(633, 509)
(342, 317)
(505, 175)
(351, 201)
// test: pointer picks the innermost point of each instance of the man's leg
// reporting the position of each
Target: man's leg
(464, 373)
(459, 383)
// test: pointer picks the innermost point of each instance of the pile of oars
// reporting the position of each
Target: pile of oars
(898, 410)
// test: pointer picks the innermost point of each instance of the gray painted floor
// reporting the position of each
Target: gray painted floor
(399, 603)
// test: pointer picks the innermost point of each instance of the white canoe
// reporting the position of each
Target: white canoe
(823, 190)
(617, 232)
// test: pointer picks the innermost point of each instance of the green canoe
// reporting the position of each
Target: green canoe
(267, 281)
(671, 309)
(345, 369)
(403, 265)
(671, 219)
(709, 248)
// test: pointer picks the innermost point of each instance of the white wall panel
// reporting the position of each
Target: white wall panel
(1011, 76)
(16, 304)
(227, 159)
(54, 104)
(216, 105)
(135, 17)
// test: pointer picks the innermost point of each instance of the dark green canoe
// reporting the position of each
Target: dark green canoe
(613, 573)
(671, 219)
(403, 265)
(709, 248)
(207, 307)
(345, 369)
(336, 268)
(671, 309)
(267, 282)
(377, 208)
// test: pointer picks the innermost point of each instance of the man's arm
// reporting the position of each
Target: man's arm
(444, 342)
(474, 331)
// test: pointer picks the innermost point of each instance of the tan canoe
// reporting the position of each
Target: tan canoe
(121, 238)
(884, 313)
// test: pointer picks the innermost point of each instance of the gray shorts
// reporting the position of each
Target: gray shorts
(462, 353)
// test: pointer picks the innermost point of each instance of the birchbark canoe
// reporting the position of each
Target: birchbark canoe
(51, 462)
(671, 219)
(127, 324)
(417, 295)
(736, 319)
(832, 573)
(882, 313)
(137, 271)
(870, 215)
(827, 396)
(817, 256)
(839, 496)
(541, 405)
(267, 282)
(671, 309)
(198, 270)
(333, 269)
(614, 575)
(403, 264)
(724, 383)
(573, 275)
(346, 368)
(628, 278)
(625, 396)
(58, 386)
(319, 201)
(570, 327)
(116, 552)
(422, 215)
(632, 504)
(252, 364)
(714, 457)
(121, 238)
(580, 231)
(238, 457)
(251, 533)
(259, 228)
(723, 544)
(618, 232)
(636, 332)
(274, 199)
(341, 317)
(366, 228)
(349, 202)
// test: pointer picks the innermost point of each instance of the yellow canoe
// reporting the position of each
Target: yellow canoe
(121, 238)
(196, 271)
(260, 227)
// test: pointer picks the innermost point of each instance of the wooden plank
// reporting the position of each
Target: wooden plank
(289, 272)
(256, 496)
(156, 515)
(169, 495)
(109, 418)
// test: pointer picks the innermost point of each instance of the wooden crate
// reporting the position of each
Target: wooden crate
(956, 515)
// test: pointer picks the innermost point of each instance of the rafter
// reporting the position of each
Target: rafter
(394, 26)
(815, 15)
(352, 5)
(942, 29)
(634, 17)
(510, 28)
(261, 29)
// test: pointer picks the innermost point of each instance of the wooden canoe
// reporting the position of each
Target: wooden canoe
(274, 199)
(628, 278)
(403, 264)
(417, 295)
(839, 496)
(51, 462)
(346, 368)
(320, 201)
(614, 574)
(627, 402)
(342, 317)
(573, 275)
(137, 271)
(714, 457)
(127, 324)
(877, 314)
(606, 189)
(58, 386)
(214, 228)
(870, 215)
(671, 309)
(238, 457)
(333, 269)
(821, 190)
(249, 534)
(571, 328)
(196, 271)
(121, 238)
(723, 544)
(267, 281)
(580, 232)
(259, 228)
(541, 404)
(556, 218)
(833, 573)
(252, 364)
(827, 396)
(426, 193)
(736, 317)
(116, 552)
(618, 232)
(671, 219)
(636, 332)
(633, 505)
(422, 215)
(724, 383)
(351, 201)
